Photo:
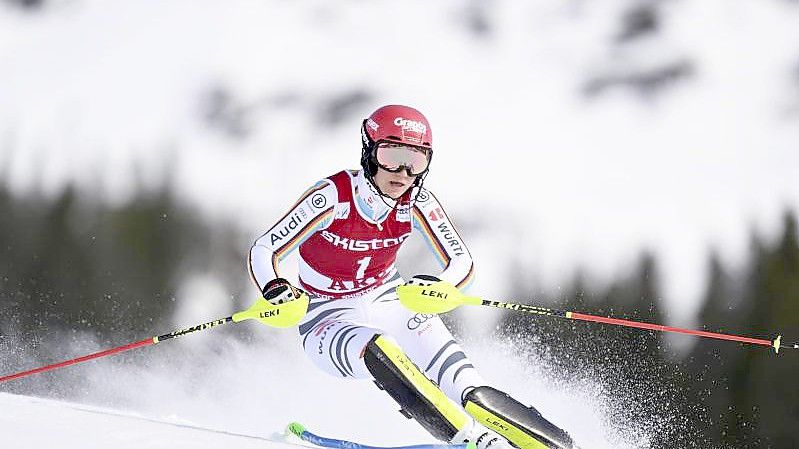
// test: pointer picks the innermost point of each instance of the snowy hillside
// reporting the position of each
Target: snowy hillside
(215, 382)
(27, 422)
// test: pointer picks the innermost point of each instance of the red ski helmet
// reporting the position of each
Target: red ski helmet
(394, 123)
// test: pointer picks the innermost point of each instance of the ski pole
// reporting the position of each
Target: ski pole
(282, 315)
(442, 297)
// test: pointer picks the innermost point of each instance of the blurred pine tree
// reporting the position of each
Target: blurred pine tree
(76, 273)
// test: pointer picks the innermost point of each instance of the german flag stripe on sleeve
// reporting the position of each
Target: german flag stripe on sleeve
(306, 231)
(467, 279)
(430, 236)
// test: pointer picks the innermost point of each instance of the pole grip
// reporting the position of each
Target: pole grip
(189, 330)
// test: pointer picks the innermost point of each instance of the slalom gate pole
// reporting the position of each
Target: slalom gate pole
(441, 297)
(282, 315)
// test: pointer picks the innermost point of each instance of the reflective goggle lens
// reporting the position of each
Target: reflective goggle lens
(395, 158)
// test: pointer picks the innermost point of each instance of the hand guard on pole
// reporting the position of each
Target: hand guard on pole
(279, 291)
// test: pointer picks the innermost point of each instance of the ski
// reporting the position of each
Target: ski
(300, 431)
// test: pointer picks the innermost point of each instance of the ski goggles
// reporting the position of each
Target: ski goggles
(394, 158)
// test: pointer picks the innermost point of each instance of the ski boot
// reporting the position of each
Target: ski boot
(482, 437)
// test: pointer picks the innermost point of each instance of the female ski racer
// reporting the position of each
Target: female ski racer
(348, 229)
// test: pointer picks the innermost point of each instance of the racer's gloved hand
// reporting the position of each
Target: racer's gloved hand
(422, 279)
(278, 290)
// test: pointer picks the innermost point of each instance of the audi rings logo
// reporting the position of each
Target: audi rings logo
(422, 196)
(417, 320)
(318, 201)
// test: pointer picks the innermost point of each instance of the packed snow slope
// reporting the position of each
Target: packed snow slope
(258, 387)
(28, 422)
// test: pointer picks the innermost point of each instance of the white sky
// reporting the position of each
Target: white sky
(91, 86)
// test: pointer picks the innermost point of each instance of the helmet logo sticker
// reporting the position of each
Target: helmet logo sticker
(372, 124)
(410, 125)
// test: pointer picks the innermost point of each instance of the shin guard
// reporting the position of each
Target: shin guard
(419, 397)
(523, 426)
